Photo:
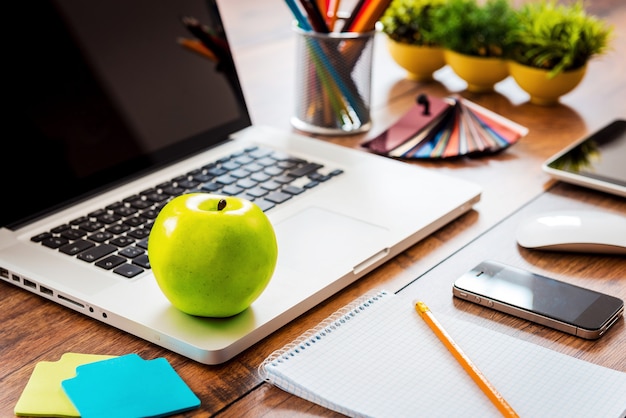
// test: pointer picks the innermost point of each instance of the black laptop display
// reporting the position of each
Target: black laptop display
(87, 113)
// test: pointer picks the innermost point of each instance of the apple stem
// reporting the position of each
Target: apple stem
(221, 204)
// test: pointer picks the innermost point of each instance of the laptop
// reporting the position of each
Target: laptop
(112, 113)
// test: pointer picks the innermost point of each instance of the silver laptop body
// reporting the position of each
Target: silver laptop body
(165, 112)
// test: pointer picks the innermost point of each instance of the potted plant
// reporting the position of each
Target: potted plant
(408, 26)
(551, 47)
(475, 38)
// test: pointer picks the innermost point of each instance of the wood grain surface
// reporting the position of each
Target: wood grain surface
(33, 329)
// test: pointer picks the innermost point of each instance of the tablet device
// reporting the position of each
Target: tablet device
(597, 161)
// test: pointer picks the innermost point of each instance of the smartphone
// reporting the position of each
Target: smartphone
(553, 303)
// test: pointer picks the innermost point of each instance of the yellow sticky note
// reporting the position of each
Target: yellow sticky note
(43, 394)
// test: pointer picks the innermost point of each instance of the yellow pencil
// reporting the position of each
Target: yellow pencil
(467, 364)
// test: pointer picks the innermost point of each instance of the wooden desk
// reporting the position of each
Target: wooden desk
(34, 330)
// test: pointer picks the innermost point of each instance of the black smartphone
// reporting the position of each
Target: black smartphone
(553, 303)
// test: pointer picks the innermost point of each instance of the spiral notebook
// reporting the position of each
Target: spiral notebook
(377, 358)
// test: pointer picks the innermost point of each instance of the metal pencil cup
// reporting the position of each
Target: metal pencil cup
(333, 82)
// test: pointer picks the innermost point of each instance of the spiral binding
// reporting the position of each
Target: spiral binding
(329, 325)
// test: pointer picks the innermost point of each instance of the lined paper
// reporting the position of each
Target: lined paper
(377, 358)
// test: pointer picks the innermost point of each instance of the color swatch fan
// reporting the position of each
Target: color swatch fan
(444, 128)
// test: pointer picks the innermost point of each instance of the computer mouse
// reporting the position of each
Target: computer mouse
(586, 231)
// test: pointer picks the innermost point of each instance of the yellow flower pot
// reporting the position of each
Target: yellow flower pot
(545, 91)
(480, 73)
(420, 62)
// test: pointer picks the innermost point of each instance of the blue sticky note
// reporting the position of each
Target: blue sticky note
(129, 386)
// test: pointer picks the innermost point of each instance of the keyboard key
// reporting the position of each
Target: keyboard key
(273, 171)
(131, 252)
(139, 233)
(305, 170)
(226, 179)
(319, 177)
(253, 168)
(141, 204)
(270, 185)
(100, 236)
(283, 179)
(118, 229)
(96, 253)
(134, 221)
(257, 192)
(110, 262)
(142, 261)
(243, 160)
(128, 270)
(122, 241)
(260, 177)
(232, 190)
(210, 187)
(294, 190)
(60, 229)
(188, 184)
(173, 191)
(73, 234)
(202, 178)
(41, 237)
(114, 206)
(265, 205)
(246, 183)
(76, 247)
(149, 213)
(311, 184)
(239, 173)
(216, 171)
(91, 226)
(278, 197)
(125, 211)
(259, 153)
(230, 165)
(79, 220)
(54, 242)
(109, 218)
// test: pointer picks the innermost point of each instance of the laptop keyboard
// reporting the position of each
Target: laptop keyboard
(115, 237)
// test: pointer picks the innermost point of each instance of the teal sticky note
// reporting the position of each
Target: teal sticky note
(129, 386)
(43, 395)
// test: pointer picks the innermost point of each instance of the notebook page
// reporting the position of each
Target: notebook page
(382, 360)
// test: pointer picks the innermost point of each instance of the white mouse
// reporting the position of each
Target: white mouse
(588, 231)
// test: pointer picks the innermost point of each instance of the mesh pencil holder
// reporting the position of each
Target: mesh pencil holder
(333, 82)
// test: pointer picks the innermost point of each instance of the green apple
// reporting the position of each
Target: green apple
(212, 255)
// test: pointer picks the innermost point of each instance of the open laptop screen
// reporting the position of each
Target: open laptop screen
(100, 91)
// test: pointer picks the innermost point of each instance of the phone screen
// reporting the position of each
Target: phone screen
(562, 301)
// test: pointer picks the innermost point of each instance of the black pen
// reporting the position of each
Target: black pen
(317, 20)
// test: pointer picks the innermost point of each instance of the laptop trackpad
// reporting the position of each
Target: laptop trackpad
(318, 240)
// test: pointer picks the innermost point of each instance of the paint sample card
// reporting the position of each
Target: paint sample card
(451, 127)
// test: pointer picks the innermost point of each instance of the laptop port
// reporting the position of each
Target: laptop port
(4, 273)
(45, 290)
(28, 283)
(65, 298)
